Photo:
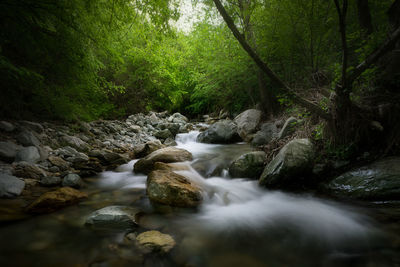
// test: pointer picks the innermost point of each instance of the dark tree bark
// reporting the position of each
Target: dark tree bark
(364, 16)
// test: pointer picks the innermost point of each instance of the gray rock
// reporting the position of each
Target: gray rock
(178, 118)
(72, 180)
(75, 142)
(10, 186)
(50, 181)
(27, 138)
(247, 122)
(294, 159)
(377, 181)
(8, 151)
(249, 165)
(170, 142)
(72, 155)
(28, 170)
(163, 134)
(266, 134)
(287, 128)
(34, 126)
(113, 217)
(28, 154)
(221, 132)
(6, 126)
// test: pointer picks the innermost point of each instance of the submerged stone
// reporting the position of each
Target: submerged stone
(113, 217)
(155, 241)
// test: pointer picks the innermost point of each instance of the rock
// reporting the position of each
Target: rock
(294, 159)
(148, 148)
(170, 166)
(222, 132)
(55, 200)
(155, 241)
(59, 162)
(27, 138)
(170, 142)
(10, 186)
(50, 181)
(28, 170)
(166, 155)
(74, 142)
(163, 134)
(72, 180)
(265, 135)
(287, 128)
(249, 165)
(8, 151)
(28, 154)
(377, 181)
(71, 154)
(247, 122)
(113, 217)
(178, 118)
(108, 157)
(34, 126)
(169, 188)
(6, 126)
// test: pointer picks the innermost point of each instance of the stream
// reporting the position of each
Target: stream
(238, 224)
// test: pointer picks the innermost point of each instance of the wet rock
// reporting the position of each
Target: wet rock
(113, 217)
(10, 186)
(34, 126)
(50, 181)
(377, 181)
(163, 134)
(166, 155)
(148, 148)
(249, 165)
(59, 162)
(222, 132)
(72, 180)
(247, 123)
(6, 126)
(71, 154)
(28, 170)
(294, 160)
(265, 135)
(287, 128)
(170, 166)
(28, 154)
(8, 151)
(155, 241)
(55, 200)
(88, 168)
(108, 157)
(170, 142)
(27, 138)
(169, 188)
(74, 142)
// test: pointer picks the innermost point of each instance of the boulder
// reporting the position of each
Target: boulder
(377, 181)
(27, 138)
(147, 148)
(6, 126)
(28, 154)
(108, 157)
(265, 135)
(10, 186)
(169, 188)
(72, 180)
(163, 134)
(222, 132)
(155, 241)
(178, 118)
(249, 165)
(55, 200)
(8, 151)
(34, 126)
(166, 155)
(50, 181)
(113, 217)
(287, 128)
(74, 142)
(170, 166)
(170, 142)
(293, 160)
(247, 123)
(71, 154)
(28, 170)
(59, 162)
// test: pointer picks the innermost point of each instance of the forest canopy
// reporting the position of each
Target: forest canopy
(91, 59)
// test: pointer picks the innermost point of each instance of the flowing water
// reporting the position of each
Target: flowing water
(238, 224)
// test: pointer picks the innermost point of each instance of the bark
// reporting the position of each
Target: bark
(315, 109)
(364, 16)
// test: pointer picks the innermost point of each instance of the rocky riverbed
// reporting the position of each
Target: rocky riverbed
(152, 177)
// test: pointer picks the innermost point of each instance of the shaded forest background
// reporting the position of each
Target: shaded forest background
(91, 59)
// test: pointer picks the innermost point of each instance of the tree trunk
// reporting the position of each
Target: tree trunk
(364, 16)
